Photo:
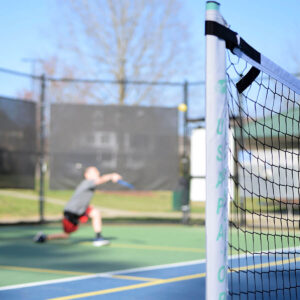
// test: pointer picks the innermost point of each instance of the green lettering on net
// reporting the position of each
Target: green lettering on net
(220, 126)
(222, 296)
(221, 232)
(222, 87)
(220, 153)
(221, 203)
(221, 178)
(221, 274)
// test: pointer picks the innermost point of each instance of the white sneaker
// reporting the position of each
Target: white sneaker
(100, 242)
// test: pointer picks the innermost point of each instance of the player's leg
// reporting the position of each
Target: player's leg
(58, 236)
(42, 237)
(95, 215)
(68, 227)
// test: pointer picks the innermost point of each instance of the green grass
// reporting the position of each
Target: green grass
(153, 201)
(262, 205)
(60, 194)
(18, 207)
(198, 207)
(156, 201)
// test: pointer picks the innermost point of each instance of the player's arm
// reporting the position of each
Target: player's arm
(114, 177)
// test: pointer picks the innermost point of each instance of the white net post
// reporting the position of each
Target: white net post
(216, 161)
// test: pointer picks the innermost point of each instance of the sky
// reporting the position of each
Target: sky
(270, 26)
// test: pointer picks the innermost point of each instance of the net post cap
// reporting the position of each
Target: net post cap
(212, 5)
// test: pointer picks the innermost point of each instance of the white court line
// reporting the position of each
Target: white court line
(104, 274)
(268, 253)
(53, 281)
(167, 266)
(110, 274)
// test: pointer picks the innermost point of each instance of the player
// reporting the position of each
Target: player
(78, 210)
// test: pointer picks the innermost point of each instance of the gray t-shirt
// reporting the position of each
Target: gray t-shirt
(81, 198)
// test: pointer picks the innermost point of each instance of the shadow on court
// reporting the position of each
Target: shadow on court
(132, 246)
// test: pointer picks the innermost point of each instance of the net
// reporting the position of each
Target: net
(252, 158)
(264, 196)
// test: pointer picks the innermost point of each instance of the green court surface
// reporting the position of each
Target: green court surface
(132, 246)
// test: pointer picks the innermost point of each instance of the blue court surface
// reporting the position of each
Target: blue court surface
(261, 277)
(174, 281)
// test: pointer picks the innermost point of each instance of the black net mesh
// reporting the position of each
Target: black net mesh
(264, 209)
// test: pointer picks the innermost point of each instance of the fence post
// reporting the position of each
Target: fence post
(42, 166)
(185, 125)
(185, 161)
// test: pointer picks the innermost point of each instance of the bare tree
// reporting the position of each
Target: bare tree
(59, 91)
(24, 94)
(125, 40)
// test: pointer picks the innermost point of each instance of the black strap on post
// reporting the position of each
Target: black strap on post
(247, 79)
(232, 41)
(222, 32)
(231, 38)
(249, 51)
